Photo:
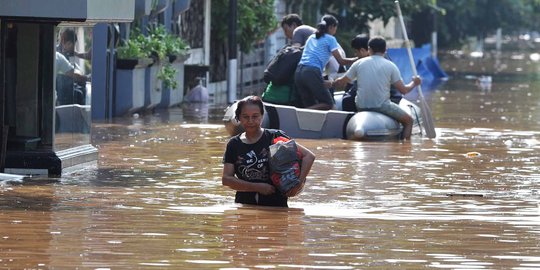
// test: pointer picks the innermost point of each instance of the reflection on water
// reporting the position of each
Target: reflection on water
(468, 199)
(72, 87)
(197, 111)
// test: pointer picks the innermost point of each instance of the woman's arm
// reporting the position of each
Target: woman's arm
(228, 179)
(342, 60)
(307, 161)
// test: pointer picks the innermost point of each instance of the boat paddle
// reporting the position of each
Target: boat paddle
(429, 127)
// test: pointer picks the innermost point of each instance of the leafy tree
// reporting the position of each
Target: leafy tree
(255, 19)
(357, 14)
(534, 14)
(456, 19)
(479, 18)
(353, 15)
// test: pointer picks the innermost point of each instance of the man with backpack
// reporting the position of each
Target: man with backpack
(295, 30)
(279, 73)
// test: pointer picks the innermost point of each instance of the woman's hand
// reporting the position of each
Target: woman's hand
(296, 190)
(265, 189)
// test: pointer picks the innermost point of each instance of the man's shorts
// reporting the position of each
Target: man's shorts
(391, 109)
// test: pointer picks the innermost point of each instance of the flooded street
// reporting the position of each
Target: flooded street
(468, 199)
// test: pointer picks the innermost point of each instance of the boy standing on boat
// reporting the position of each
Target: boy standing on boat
(375, 75)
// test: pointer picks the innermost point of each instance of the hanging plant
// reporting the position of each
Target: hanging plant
(167, 74)
(158, 44)
(175, 45)
(163, 45)
(131, 54)
(130, 50)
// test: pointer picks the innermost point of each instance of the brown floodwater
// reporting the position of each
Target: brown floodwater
(468, 199)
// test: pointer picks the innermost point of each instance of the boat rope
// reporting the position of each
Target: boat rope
(417, 117)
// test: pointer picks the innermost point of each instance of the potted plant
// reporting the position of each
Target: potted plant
(166, 77)
(130, 55)
(131, 65)
(177, 52)
(159, 73)
(176, 48)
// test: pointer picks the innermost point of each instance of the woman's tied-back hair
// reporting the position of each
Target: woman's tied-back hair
(255, 100)
(324, 24)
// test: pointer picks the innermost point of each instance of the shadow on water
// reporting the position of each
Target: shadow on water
(467, 199)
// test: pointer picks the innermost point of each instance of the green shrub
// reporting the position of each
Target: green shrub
(159, 44)
(131, 49)
(167, 74)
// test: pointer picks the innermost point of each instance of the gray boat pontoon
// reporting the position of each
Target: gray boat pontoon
(315, 124)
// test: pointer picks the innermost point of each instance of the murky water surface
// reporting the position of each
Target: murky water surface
(467, 200)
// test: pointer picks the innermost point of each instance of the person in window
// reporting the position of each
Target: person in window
(68, 39)
(67, 77)
(246, 160)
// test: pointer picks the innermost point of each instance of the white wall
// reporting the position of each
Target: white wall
(391, 31)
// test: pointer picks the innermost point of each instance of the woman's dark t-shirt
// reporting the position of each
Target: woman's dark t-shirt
(251, 164)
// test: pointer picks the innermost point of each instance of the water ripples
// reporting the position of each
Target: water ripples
(468, 199)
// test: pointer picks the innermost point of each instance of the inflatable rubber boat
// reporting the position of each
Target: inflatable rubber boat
(315, 124)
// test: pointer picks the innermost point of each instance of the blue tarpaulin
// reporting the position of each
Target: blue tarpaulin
(427, 67)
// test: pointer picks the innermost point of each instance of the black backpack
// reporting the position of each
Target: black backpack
(280, 70)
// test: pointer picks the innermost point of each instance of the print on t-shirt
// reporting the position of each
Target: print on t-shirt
(253, 166)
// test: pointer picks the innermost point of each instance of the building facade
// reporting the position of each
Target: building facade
(44, 102)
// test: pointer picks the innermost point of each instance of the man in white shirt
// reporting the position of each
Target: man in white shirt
(70, 83)
(64, 67)
(375, 74)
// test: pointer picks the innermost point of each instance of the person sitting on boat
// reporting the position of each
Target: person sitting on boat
(360, 47)
(375, 75)
(309, 82)
(246, 160)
